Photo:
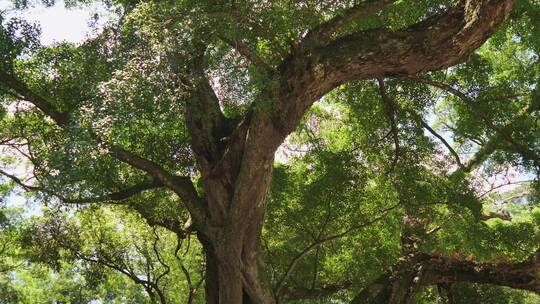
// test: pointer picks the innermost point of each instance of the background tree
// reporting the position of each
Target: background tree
(175, 112)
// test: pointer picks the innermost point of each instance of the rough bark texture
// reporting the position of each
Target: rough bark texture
(438, 42)
(236, 170)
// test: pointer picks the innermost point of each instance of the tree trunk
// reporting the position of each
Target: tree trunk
(211, 273)
(235, 158)
(232, 236)
(233, 260)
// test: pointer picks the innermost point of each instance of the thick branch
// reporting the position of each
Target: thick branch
(206, 123)
(180, 185)
(522, 275)
(500, 215)
(441, 41)
(483, 153)
(40, 102)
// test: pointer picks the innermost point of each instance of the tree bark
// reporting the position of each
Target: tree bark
(236, 187)
(233, 248)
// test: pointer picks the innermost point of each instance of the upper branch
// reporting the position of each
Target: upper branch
(437, 42)
(207, 125)
(503, 133)
(426, 126)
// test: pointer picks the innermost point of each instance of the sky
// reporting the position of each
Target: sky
(58, 23)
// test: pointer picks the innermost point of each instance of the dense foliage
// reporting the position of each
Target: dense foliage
(424, 183)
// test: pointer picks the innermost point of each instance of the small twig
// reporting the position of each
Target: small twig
(426, 126)
(493, 188)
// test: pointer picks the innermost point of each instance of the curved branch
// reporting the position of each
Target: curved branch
(113, 196)
(22, 91)
(182, 186)
(426, 126)
(440, 41)
(19, 182)
(172, 224)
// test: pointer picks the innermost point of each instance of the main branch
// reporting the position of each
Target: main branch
(437, 42)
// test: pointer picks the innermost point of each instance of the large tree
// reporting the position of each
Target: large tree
(177, 109)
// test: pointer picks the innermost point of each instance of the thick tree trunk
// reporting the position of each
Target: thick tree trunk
(235, 159)
(236, 156)
(233, 262)
(211, 272)
(232, 237)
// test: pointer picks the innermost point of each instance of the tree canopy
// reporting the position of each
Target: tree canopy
(281, 151)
